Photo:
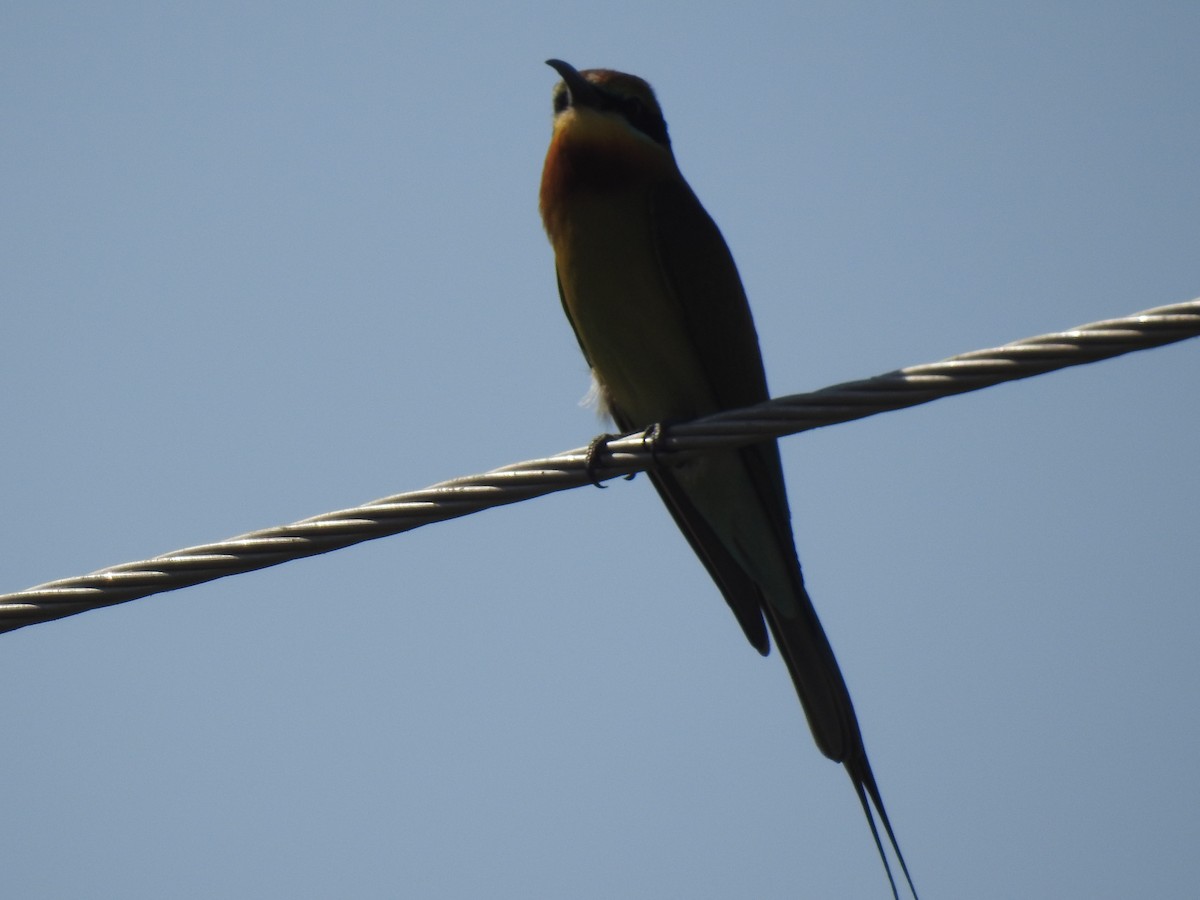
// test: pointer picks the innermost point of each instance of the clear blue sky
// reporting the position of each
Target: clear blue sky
(259, 261)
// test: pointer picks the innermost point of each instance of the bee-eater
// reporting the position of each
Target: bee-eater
(658, 308)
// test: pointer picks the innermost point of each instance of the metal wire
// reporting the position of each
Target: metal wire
(620, 456)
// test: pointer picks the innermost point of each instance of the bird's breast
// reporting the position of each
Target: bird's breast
(624, 309)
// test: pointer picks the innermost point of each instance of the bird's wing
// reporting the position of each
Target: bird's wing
(705, 283)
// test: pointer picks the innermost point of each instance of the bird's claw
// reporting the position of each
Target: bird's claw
(652, 439)
(591, 459)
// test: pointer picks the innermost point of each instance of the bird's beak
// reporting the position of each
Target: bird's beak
(583, 92)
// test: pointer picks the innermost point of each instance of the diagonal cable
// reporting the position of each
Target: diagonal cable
(633, 453)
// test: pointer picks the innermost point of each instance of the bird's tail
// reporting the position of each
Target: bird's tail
(793, 622)
(826, 700)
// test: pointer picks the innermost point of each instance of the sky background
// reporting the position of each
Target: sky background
(260, 261)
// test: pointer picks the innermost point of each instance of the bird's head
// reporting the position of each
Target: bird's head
(607, 103)
(609, 136)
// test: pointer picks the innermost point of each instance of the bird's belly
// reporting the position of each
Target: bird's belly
(627, 318)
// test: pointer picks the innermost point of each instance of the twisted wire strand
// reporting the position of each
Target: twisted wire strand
(846, 402)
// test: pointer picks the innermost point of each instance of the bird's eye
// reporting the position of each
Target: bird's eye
(562, 98)
(635, 112)
(634, 109)
(646, 120)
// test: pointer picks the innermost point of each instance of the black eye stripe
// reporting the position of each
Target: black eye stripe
(642, 116)
(646, 120)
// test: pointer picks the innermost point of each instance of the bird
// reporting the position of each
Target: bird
(658, 308)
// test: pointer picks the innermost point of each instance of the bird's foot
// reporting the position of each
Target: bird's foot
(591, 459)
(652, 439)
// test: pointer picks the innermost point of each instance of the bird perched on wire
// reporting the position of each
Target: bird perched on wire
(656, 303)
